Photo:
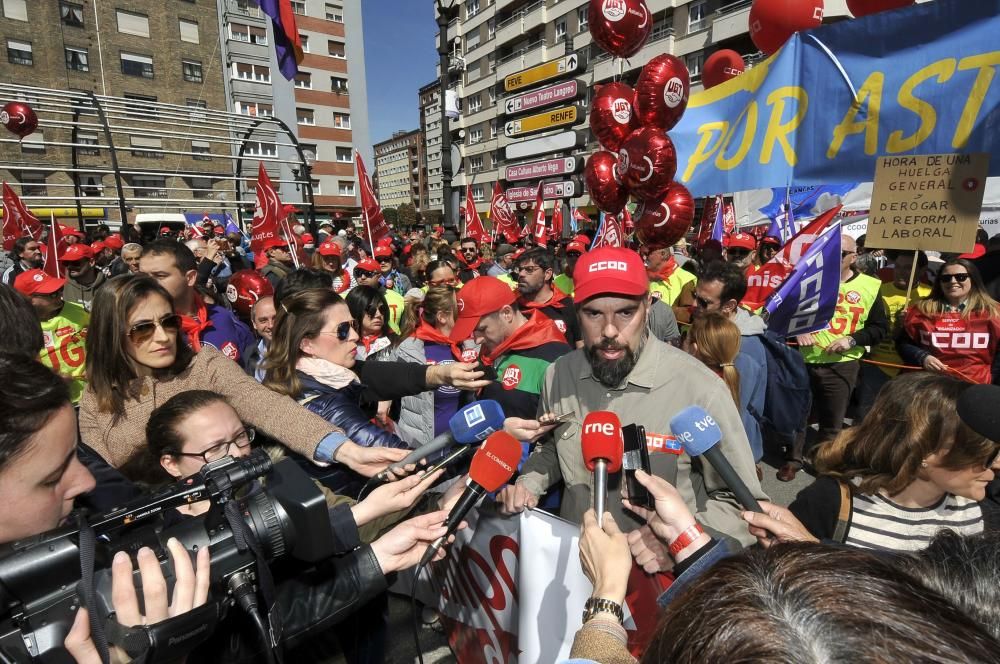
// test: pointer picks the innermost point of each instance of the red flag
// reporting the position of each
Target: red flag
(265, 216)
(628, 226)
(473, 224)
(557, 222)
(609, 234)
(707, 224)
(371, 212)
(538, 227)
(501, 215)
(580, 216)
(18, 221)
(53, 249)
(729, 218)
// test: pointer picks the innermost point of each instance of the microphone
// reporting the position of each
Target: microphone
(699, 433)
(492, 466)
(469, 425)
(602, 445)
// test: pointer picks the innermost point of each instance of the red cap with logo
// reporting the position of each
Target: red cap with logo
(578, 247)
(771, 240)
(165, 231)
(329, 249)
(97, 247)
(114, 242)
(32, 282)
(611, 271)
(383, 251)
(479, 296)
(368, 265)
(742, 241)
(275, 242)
(307, 238)
(77, 252)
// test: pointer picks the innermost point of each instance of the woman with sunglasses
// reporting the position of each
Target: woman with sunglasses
(956, 329)
(314, 347)
(441, 273)
(371, 315)
(135, 362)
(910, 469)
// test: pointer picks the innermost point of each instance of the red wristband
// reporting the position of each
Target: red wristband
(686, 538)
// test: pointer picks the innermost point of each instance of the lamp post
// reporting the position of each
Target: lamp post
(447, 10)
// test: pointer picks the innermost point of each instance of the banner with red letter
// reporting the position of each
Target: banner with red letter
(265, 216)
(473, 224)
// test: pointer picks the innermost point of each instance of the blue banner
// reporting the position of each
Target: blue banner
(805, 202)
(807, 299)
(918, 80)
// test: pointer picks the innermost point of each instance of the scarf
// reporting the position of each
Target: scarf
(471, 266)
(326, 372)
(556, 301)
(430, 334)
(667, 269)
(537, 331)
(193, 327)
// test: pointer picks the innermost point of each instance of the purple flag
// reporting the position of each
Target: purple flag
(719, 227)
(807, 299)
(287, 43)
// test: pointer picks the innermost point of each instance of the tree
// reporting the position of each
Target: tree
(407, 215)
(391, 216)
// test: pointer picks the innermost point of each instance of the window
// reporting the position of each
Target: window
(475, 136)
(344, 155)
(255, 109)
(137, 65)
(202, 188)
(493, 128)
(146, 146)
(91, 184)
(249, 72)
(476, 163)
(317, 189)
(305, 116)
(143, 109)
(694, 61)
(696, 15)
(192, 70)
(33, 184)
(248, 33)
(471, 8)
(477, 192)
(77, 59)
(87, 138)
(201, 150)
(248, 8)
(15, 9)
(33, 142)
(189, 31)
(472, 41)
(149, 186)
(581, 18)
(341, 120)
(336, 49)
(132, 24)
(199, 104)
(345, 188)
(256, 149)
(299, 7)
(304, 80)
(338, 84)
(19, 53)
(475, 104)
(561, 29)
(305, 43)
(491, 28)
(71, 14)
(493, 96)
(334, 12)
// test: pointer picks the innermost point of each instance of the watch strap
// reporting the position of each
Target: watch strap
(596, 605)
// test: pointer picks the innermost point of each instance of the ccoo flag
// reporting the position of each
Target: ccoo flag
(287, 43)
(502, 216)
(473, 224)
(807, 300)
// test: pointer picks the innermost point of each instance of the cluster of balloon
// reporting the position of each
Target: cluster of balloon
(720, 67)
(773, 22)
(18, 118)
(859, 8)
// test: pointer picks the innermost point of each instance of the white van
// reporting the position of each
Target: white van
(151, 224)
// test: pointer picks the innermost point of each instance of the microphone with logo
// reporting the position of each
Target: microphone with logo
(492, 466)
(699, 433)
(602, 445)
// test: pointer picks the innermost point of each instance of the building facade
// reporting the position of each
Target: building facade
(432, 202)
(399, 170)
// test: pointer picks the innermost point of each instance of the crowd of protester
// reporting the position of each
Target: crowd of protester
(148, 360)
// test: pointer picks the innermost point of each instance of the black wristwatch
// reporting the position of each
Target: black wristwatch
(596, 605)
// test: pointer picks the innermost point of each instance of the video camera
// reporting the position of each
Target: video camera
(41, 584)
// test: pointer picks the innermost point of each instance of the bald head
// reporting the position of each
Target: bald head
(847, 243)
(848, 256)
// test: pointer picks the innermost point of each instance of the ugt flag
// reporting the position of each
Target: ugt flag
(473, 224)
(502, 216)
(18, 221)
(265, 216)
(371, 211)
(807, 300)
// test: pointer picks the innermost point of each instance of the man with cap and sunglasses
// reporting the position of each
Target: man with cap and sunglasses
(83, 278)
(279, 260)
(390, 277)
(624, 369)
(577, 247)
(740, 249)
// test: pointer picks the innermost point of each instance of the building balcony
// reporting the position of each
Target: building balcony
(730, 21)
(529, 56)
(245, 9)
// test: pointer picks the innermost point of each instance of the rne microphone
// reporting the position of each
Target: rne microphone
(699, 433)
(469, 426)
(602, 445)
(492, 466)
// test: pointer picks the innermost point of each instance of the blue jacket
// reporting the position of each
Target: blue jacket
(751, 362)
(227, 333)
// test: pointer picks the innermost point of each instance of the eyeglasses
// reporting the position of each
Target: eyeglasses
(738, 253)
(216, 452)
(144, 331)
(468, 250)
(960, 278)
(49, 296)
(530, 269)
(451, 281)
(364, 274)
(343, 331)
(573, 254)
(73, 265)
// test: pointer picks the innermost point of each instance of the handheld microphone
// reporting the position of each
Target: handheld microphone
(699, 433)
(492, 466)
(468, 426)
(602, 445)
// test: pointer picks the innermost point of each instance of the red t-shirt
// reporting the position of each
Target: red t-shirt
(965, 344)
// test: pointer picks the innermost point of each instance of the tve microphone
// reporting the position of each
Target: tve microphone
(492, 466)
(602, 445)
(698, 432)
(470, 425)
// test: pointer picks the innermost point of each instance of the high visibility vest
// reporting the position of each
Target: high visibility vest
(854, 302)
(669, 289)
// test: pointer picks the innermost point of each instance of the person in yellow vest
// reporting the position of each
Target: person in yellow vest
(64, 327)
(893, 294)
(564, 280)
(833, 355)
(669, 282)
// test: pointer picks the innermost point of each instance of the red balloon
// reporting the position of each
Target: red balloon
(647, 162)
(721, 66)
(620, 27)
(606, 190)
(773, 22)
(19, 118)
(612, 117)
(861, 8)
(661, 93)
(665, 219)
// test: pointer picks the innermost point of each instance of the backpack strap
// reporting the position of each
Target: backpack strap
(844, 516)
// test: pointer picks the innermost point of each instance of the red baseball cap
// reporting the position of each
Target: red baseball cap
(479, 297)
(582, 239)
(368, 265)
(329, 249)
(97, 247)
(307, 238)
(33, 282)
(218, 230)
(275, 242)
(577, 247)
(165, 231)
(977, 251)
(69, 230)
(77, 252)
(742, 241)
(770, 239)
(114, 242)
(609, 270)
(382, 251)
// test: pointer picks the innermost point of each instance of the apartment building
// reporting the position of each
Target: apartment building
(400, 171)
(432, 203)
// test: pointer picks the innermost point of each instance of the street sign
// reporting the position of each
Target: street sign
(543, 72)
(553, 94)
(538, 170)
(561, 142)
(550, 191)
(563, 116)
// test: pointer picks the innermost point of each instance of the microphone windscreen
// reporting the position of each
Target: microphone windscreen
(495, 462)
(696, 430)
(602, 439)
(476, 421)
(978, 407)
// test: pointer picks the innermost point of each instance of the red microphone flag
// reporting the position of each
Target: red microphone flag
(602, 439)
(265, 216)
(473, 224)
(495, 461)
(371, 212)
(18, 221)
(501, 215)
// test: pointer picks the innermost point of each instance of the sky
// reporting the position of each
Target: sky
(400, 58)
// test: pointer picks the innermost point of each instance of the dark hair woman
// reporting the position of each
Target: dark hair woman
(371, 314)
(441, 273)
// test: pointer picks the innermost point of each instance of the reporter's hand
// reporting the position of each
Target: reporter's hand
(454, 492)
(462, 375)
(393, 497)
(526, 430)
(515, 498)
(670, 515)
(604, 556)
(403, 546)
(776, 524)
(369, 461)
(931, 363)
(649, 551)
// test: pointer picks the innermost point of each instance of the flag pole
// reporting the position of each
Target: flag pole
(54, 243)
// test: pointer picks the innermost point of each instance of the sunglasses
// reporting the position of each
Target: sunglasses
(444, 282)
(365, 274)
(73, 265)
(49, 296)
(469, 250)
(960, 278)
(343, 331)
(738, 253)
(144, 331)
(701, 302)
(216, 452)
(573, 254)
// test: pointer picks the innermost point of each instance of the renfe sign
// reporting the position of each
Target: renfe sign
(547, 96)
(538, 170)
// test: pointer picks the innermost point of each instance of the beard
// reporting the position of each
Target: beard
(612, 373)
(526, 290)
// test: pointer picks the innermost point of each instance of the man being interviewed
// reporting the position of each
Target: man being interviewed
(624, 369)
